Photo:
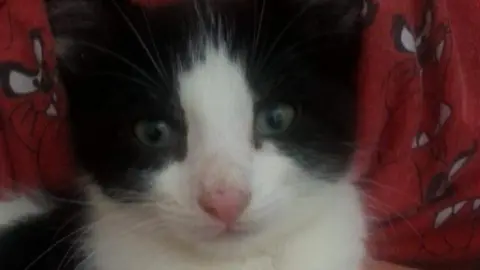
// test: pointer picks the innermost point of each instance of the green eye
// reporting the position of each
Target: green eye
(275, 119)
(153, 133)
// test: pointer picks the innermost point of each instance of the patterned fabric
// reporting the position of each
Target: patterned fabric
(419, 131)
(417, 142)
(34, 144)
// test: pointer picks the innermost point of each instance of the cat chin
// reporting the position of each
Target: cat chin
(327, 234)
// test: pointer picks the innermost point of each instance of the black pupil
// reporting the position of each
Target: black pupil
(275, 119)
(154, 133)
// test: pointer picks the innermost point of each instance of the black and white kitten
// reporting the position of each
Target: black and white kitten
(214, 135)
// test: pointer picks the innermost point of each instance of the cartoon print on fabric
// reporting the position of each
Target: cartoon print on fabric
(416, 86)
(453, 215)
(409, 107)
(448, 233)
(32, 108)
(435, 152)
(445, 230)
(432, 47)
(417, 83)
(18, 82)
(441, 184)
(452, 226)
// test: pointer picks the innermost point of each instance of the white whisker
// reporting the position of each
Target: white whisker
(147, 85)
(154, 44)
(280, 36)
(137, 34)
(119, 57)
(258, 26)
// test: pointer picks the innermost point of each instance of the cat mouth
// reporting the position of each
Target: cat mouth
(236, 231)
(231, 235)
(222, 232)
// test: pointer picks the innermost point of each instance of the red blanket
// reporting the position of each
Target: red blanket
(34, 148)
(417, 141)
(419, 131)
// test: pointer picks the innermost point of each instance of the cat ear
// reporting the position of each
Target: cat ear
(66, 16)
(87, 20)
(335, 15)
(333, 29)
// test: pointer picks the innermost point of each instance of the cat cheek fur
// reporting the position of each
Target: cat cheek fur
(293, 217)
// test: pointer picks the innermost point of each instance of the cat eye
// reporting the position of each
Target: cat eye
(275, 119)
(153, 133)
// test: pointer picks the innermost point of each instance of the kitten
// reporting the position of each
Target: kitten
(213, 134)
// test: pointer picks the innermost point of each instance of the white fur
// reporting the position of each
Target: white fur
(16, 208)
(219, 114)
(295, 220)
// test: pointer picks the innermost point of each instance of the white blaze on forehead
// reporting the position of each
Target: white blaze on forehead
(218, 104)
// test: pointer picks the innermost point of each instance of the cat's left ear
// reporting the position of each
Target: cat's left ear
(340, 16)
(333, 29)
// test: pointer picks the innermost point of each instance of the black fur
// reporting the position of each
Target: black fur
(314, 49)
(301, 55)
(44, 242)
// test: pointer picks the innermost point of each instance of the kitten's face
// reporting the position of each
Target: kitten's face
(227, 121)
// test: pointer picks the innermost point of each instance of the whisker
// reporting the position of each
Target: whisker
(123, 76)
(374, 219)
(61, 240)
(76, 202)
(137, 34)
(389, 188)
(85, 260)
(259, 26)
(137, 226)
(291, 49)
(74, 255)
(152, 40)
(389, 210)
(280, 35)
(202, 23)
(66, 261)
(137, 196)
(132, 229)
(80, 231)
(69, 221)
(119, 57)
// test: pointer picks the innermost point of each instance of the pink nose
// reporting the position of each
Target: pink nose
(225, 205)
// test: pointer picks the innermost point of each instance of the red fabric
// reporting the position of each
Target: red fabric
(34, 149)
(419, 131)
(417, 142)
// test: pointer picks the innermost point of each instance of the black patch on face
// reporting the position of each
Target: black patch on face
(293, 54)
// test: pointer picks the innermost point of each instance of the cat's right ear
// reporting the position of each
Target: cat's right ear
(74, 21)
(67, 17)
